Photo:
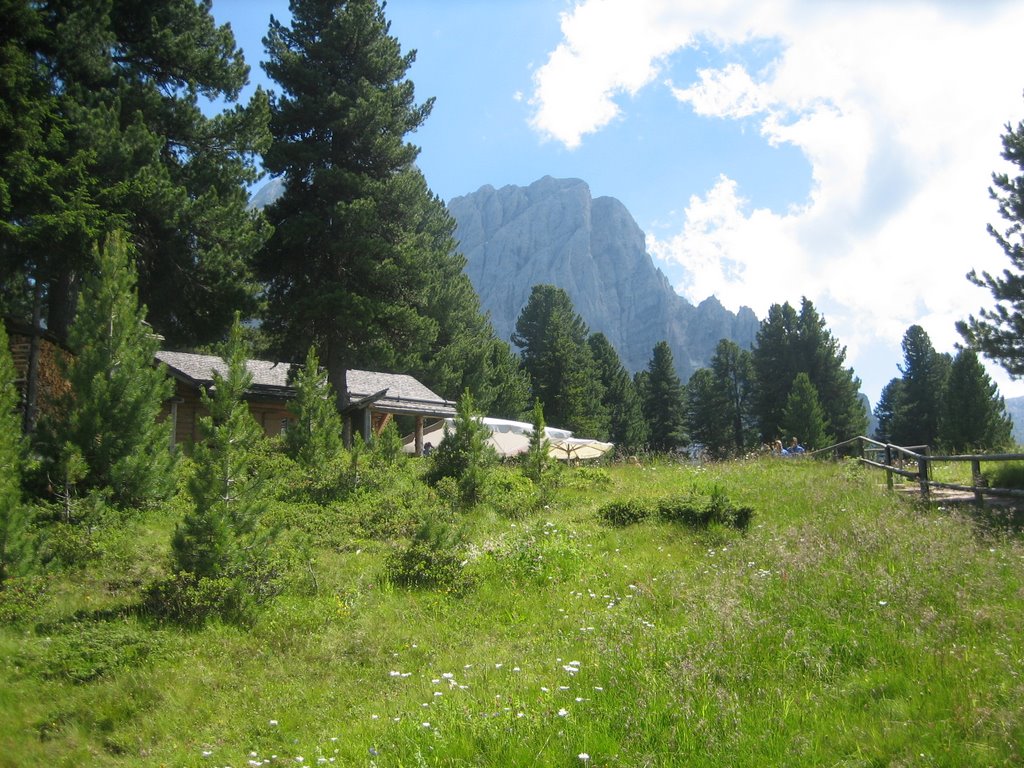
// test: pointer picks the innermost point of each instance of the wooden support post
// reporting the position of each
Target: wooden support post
(888, 465)
(976, 480)
(419, 435)
(922, 475)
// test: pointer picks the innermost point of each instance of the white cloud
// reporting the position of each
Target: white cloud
(898, 109)
(609, 47)
(728, 92)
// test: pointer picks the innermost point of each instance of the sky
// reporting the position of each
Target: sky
(840, 150)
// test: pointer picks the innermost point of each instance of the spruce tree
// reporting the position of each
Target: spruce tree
(313, 437)
(109, 415)
(665, 405)
(359, 240)
(13, 515)
(889, 403)
(222, 534)
(627, 426)
(559, 361)
(707, 416)
(974, 415)
(925, 373)
(803, 417)
(789, 343)
(536, 460)
(733, 372)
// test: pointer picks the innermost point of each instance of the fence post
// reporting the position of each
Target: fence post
(888, 465)
(922, 473)
(979, 497)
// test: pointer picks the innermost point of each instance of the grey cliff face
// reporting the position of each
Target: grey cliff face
(554, 232)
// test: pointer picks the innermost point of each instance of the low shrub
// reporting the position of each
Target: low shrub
(434, 558)
(190, 600)
(624, 512)
(1004, 474)
(20, 597)
(692, 510)
(510, 493)
(695, 511)
(542, 555)
(584, 478)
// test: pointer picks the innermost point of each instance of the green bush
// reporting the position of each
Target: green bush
(434, 558)
(692, 510)
(510, 493)
(624, 512)
(685, 509)
(19, 598)
(588, 477)
(1005, 474)
(190, 600)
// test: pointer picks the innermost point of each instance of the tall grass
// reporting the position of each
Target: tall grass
(844, 627)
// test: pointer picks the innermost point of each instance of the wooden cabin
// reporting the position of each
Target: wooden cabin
(374, 398)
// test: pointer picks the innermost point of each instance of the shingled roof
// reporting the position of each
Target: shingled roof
(403, 394)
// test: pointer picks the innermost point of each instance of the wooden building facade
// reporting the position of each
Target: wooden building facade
(374, 397)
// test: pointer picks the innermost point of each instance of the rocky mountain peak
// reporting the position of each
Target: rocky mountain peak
(555, 232)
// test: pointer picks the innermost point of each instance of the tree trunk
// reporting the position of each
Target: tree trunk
(61, 301)
(337, 377)
(32, 375)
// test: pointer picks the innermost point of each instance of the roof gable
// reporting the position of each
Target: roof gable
(403, 393)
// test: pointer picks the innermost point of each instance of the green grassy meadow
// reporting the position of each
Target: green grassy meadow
(844, 627)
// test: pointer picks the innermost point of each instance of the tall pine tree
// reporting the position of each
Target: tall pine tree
(789, 343)
(664, 405)
(974, 415)
(707, 418)
(627, 426)
(886, 409)
(804, 418)
(556, 355)
(925, 373)
(359, 240)
(109, 416)
(733, 372)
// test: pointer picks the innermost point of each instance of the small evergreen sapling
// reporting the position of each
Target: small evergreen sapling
(313, 438)
(223, 536)
(464, 454)
(537, 460)
(110, 414)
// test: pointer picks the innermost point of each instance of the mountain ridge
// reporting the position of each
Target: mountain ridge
(553, 231)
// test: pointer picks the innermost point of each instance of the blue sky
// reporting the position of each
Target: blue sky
(838, 150)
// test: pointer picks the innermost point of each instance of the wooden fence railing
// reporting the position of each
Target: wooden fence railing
(895, 459)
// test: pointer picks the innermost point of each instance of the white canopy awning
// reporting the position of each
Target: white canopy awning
(511, 438)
